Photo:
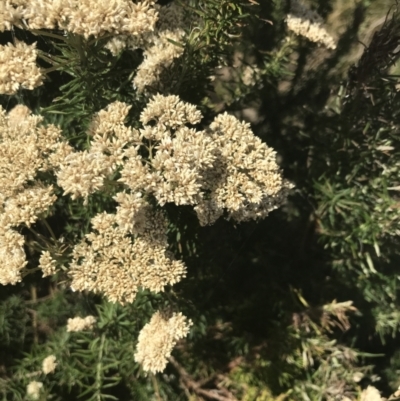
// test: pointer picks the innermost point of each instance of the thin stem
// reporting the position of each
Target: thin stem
(39, 32)
(77, 43)
(44, 221)
(150, 149)
(155, 385)
(40, 237)
(99, 367)
(109, 35)
(34, 315)
(31, 301)
(56, 64)
(25, 272)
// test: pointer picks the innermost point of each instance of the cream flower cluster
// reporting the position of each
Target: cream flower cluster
(83, 173)
(245, 180)
(47, 264)
(24, 149)
(145, 25)
(33, 389)
(159, 54)
(250, 75)
(159, 49)
(224, 168)
(111, 263)
(49, 364)
(177, 154)
(18, 68)
(131, 24)
(308, 23)
(80, 324)
(158, 338)
(82, 17)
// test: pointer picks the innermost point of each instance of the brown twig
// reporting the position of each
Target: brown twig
(37, 300)
(190, 384)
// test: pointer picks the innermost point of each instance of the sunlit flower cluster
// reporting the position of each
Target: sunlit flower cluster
(177, 154)
(224, 169)
(82, 17)
(82, 173)
(49, 364)
(18, 68)
(308, 23)
(220, 170)
(245, 180)
(159, 54)
(81, 324)
(47, 264)
(110, 262)
(158, 31)
(158, 338)
(160, 47)
(33, 389)
(24, 148)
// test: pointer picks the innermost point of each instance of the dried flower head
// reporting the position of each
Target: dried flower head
(250, 75)
(169, 111)
(49, 364)
(83, 173)
(158, 338)
(110, 135)
(33, 389)
(18, 115)
(24, 149)
(18, 68)
(308, 23)
(10, 14)
(81, 324)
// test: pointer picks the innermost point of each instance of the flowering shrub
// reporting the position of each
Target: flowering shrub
(172, 158)
(150, 249)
